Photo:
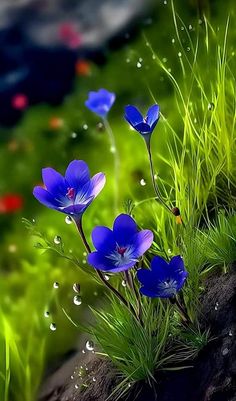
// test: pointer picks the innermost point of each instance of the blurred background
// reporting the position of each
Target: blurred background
(52, 53)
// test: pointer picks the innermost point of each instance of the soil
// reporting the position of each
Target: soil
(212, 377)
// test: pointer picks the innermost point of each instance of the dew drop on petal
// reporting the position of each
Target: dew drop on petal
(56, 284)
(53, 326)
(211, 106)
(77, 300)
(46, 314)
(57, 240)
(89, 345)
(68, 220)
(142, 182)
(76, 287)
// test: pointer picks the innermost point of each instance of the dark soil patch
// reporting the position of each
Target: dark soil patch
(212, 377)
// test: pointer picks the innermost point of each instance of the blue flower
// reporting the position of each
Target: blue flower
(144, 125)
(100, 102)
(120, 249)
(164, 279)
(71, 194)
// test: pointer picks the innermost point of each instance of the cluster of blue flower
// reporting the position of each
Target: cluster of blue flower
(120, 249)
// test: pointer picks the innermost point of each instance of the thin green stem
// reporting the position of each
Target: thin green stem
(156, 189)
(115, 153)
(79, 226)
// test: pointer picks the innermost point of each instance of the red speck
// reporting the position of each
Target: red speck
(69, 35)
(70, 193)
(121, 250)
(19, 101)
(10, 203)
(82, 67)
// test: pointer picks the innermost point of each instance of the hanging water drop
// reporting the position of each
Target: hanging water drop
(139, 65)
(46, 314)
(56, 285)
(57, 240)
(180, 54)
(107, 278)
(89, 345)
(142, 182)
(68, 220)
(53, 326)
(211, 106)
(124, 283)
(77, 300)
(76, 287)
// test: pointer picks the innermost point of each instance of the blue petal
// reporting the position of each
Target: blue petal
(46, 198)
(100, 262)
(153, 115)
(97, 183)
(77, 174)
(103, 239)
(54, 182)
(160, 268)
(177, 264)
(132, 115)
(148, 292)
(143, 128)
(78, 208)
(124, 228)
(145, 277)
(141, 242)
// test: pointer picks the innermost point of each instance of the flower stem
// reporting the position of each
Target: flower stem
(181, 310)
(130, 281)
(115, 153)
(78, 223)
(156, 189)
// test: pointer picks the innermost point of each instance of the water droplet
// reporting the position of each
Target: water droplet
(94, 379)
(211, 106)
(33, 221)
(188, 49)
(155, 176)
(173, 40)
(46, 314)
(216, 305)
(230, 333)
(124, 284)
(129, 385)
(154, 57)
(139, 65)
(165, 2)
(73, 135)
(53, 326)
(190, 27)
(85, 127)
(72, 377)
(142, 182)
(100, 126)
(84, 253)
(68, 220)
(83, 351)
(164, 60)
(169, 251)
(182, 28)
(84, 261)
(225, 351)
(56, 285)
(89, 345)
(57, 240)
(77, 300)
(95, 293)
(200, 21)
(180, 54)
(76, 287)
(112, 149)
(107, 278)
(76, 386)
(128, 60)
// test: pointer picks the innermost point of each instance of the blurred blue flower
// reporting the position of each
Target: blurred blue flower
(164, 279)
(71, 194)
(100, 102)
(120, 249)
(144, 125)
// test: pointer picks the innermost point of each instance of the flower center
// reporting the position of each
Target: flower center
(70, 193)
(121, 250)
